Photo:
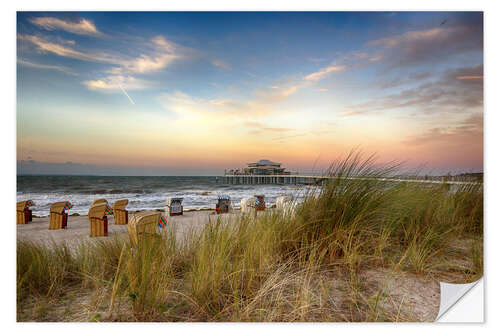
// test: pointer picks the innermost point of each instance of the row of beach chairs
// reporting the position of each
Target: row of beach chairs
(145, 222)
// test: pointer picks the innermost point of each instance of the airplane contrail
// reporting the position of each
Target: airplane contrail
(129, 98)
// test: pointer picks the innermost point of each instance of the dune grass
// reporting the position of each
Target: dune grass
(310, 264)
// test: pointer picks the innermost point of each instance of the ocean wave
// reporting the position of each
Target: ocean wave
(148, 193)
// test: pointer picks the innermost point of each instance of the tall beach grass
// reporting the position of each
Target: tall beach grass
(304, 265)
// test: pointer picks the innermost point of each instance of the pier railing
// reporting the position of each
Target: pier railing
(241, 179)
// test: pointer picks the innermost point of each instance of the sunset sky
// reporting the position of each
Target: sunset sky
(194, 93)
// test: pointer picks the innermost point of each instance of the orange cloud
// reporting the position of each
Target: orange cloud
(470, 77)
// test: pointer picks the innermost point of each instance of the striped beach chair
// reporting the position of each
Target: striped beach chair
(58, 215)
(23, 212)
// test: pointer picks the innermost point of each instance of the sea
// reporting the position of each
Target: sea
(143, 193)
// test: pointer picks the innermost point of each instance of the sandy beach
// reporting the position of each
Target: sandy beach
(78, 228)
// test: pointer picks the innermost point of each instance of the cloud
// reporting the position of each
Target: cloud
(147, 64)
(323, 72)
(117, 83)
(61, 50)
(470, 77)
(162, 53)
(448, 94)
(259, 128)
(186, 105)
(466, 132)
(400, 80)
(435, 44)
(280, 138)
(284, 90)
(42, 66)
(81, 27)
(411, 37)
(410, 48)
(123, 75)
(276, 94)
(289, 91)
(295, 85)
(221, 64)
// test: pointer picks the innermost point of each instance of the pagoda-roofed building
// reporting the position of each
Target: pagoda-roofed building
(265, 167)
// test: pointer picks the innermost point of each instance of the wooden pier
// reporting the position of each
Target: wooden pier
(272, 179)
(316, 180)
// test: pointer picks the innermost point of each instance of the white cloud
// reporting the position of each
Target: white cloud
(162, 53)
(82, 27)
(147, 64)
(43, 66)
(61, 50)
(323, 72)
(116, 83)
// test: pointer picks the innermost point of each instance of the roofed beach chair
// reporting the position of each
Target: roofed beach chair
(260, 204)
(58, 215)
(99, 220)
(98, 202)
(174, 206)
(282, 201)
(286, 205)
(143, 224)
(254, 203)
(119, 211)
(247, 204)
(23, 212)
(223, 204)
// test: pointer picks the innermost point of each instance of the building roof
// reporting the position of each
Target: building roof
(266, 162)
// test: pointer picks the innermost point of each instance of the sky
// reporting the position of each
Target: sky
(194, 93)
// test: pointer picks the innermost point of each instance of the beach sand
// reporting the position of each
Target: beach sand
(420, 293)
(78, 228)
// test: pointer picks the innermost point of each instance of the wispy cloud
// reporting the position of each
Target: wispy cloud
(467, 131)
(259, 128)
(435, 44)
(221, 64)
(162, 53)
(185, 105)
(44, 46)
(81, 27)
(323, 72)
(470, 77)
(286, 89)
(280, 138)
(122, 74)
(448, 94)
(43, 66)
(116, 83)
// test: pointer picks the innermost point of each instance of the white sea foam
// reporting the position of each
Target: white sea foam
(195, 197)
